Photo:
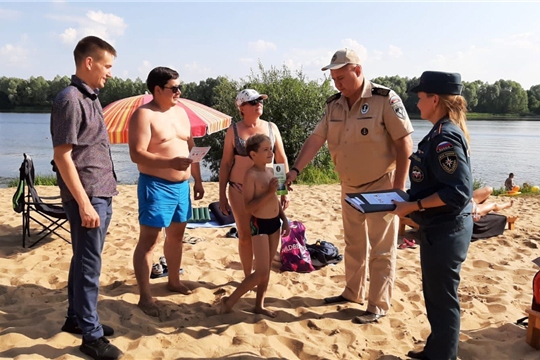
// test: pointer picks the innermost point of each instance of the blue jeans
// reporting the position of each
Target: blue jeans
(85, 267)
(443, 248)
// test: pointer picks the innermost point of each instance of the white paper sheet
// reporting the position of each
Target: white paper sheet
(198, 153)
(382, 198)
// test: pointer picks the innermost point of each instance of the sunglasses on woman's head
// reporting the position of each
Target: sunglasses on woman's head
(174, 89)
(254, 102)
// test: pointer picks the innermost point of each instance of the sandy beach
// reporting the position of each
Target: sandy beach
(495, 291)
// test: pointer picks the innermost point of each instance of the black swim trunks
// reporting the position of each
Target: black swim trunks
(265, 226)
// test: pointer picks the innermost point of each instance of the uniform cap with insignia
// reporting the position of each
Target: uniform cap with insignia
(341, 58)
(438, 82)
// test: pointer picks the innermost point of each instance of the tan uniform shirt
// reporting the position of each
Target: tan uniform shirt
(360, 139)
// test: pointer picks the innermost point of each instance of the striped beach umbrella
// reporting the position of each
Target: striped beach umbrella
(204, 120)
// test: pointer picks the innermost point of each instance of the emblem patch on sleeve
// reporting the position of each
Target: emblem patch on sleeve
(417, 174)
(365, 109)
(448, 161)
(443, 146)
(394, 100)
(399, 110)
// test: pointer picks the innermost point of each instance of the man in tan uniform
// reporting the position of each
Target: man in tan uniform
(368, 133)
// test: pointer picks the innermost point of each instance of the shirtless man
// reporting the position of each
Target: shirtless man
(160, 140)
(261, 202)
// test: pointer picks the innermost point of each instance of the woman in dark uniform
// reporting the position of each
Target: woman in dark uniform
(440, 202)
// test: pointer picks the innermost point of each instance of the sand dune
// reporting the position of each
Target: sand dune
(495, 291)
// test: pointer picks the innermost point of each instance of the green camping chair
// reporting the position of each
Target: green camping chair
(49, 215)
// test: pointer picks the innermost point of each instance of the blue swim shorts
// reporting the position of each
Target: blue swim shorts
(162, 202)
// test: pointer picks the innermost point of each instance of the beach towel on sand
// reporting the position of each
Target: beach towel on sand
(488, 226)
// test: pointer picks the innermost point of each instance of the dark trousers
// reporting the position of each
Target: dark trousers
(443, 249)
(85, 268)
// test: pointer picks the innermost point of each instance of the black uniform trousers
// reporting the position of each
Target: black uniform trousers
(443, 249)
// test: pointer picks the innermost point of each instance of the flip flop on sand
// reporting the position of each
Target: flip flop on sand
(163, 262)
(192, 240)
(232, 233)
(158, 271)
(407, 244)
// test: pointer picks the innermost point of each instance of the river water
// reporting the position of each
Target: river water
(498, 148)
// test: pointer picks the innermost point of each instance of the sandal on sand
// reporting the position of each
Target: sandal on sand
(192, 240)
(407, 244)
(232, 233)
(158, 271)
(163, 262)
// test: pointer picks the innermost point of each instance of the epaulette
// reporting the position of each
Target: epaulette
(333, 97)
(376, 90)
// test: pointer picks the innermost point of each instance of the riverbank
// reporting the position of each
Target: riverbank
(470, 116)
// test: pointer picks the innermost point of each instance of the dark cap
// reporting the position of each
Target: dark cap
(438, 82)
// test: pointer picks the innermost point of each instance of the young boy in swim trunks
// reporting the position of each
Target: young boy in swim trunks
(261, 201)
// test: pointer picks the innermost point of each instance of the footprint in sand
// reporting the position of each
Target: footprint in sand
(481, 264)
(530, 244)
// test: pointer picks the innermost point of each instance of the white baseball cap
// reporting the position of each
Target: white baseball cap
(248, 95)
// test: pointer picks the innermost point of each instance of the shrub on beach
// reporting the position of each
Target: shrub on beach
(312, 175)
(294, 104)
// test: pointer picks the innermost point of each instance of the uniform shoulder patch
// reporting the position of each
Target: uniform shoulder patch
(379, 90)
(448, 161)
(443, 146)
(333, 97)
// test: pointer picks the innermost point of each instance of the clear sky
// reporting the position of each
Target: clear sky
(484, 41)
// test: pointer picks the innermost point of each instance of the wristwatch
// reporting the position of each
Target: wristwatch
(420, 207)
(295, 169)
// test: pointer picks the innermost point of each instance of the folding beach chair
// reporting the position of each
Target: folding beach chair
(49, 215)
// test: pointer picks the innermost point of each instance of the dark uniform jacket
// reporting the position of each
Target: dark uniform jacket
(442, 165)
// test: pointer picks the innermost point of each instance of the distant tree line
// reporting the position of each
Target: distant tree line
(37, 94)
(504, 97)
(295, 103)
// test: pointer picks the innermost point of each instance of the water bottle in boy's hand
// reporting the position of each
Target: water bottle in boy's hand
(279, 173)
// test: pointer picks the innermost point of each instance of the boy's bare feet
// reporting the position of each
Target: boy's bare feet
(224, 308)
(264, 311)
(180, 288)
(149, 308)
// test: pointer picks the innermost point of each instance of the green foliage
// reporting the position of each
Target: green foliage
(470, 93)
(401, 86)
(315, 176)
(512, 98)
(36, 94)
(534, 99)
(203, 92)
(224, 94)
(116, 89)
(294, 104)
(526, 189)
(46, 180)
(478, 183)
